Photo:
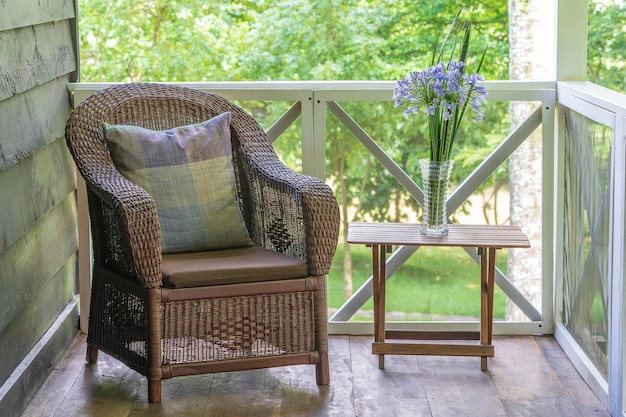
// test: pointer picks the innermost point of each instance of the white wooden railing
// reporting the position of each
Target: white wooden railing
(311, 100)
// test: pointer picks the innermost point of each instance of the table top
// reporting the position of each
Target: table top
(464, 235)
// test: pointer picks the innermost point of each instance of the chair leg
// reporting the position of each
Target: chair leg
(154, 391)
(322, 370)
(154, 371)
(92, 353)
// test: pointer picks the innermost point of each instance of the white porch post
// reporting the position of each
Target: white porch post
(571, 40)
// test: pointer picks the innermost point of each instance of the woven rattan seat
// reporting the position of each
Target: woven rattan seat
(252, 323)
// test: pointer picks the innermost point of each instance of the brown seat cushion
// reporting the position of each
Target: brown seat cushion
(229, 266)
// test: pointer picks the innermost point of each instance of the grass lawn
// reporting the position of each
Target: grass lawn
(434, 281)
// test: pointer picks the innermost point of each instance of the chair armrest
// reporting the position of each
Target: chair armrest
(130, 225)
(293, 213)
(321, 220)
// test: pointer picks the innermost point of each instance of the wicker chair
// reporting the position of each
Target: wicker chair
(165, 332)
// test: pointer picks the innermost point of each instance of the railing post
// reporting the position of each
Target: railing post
(314, 154)
(548, 206)
(310, 133)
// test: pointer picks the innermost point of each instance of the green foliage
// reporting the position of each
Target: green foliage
(162, 40)
(192, 40)
(426, 284)
(211, 40)
(172, 40)
(606, 44)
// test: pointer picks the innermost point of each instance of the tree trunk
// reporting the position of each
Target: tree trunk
(530, 59)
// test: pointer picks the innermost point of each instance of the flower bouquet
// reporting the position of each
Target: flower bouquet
(443, 91)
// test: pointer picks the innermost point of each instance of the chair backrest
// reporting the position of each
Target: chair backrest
(156, 107)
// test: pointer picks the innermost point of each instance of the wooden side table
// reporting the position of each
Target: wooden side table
(485, 238)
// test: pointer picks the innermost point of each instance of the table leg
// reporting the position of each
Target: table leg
(487, 274)
(378, 275)
(491, 285)
(484, 303)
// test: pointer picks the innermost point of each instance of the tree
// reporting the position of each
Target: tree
(529, 60)
(606, 43)
(172, 40)
(161, 40)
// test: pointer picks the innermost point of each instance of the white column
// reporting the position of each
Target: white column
(571, 40)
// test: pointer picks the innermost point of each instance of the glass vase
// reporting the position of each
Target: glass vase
(435, 177)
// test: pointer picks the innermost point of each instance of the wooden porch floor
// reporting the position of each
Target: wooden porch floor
(529, 376)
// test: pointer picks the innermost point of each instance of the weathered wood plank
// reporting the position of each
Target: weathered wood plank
(37, 256)
(24, 383)
(107, 391)
(299, 394)
(224, 401)
(34, 55)
(358, 388)
(540, 376)
(32, 120)
(583, 398)
(63, 378)
(399, 390)
(542, 407)
(32, 188)
(536, 392)
(36, 314)
(455, 386)
(20, 13)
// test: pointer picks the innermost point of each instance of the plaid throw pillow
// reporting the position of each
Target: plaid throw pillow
(189, 173)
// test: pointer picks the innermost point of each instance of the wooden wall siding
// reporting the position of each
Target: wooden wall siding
(33, 187)
(38, 232)
(34, 318)
(26, 268)
(22, 13)
(31, 120)
(34, 55)
(35, 257)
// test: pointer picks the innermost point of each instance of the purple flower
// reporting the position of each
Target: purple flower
(443, 93)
